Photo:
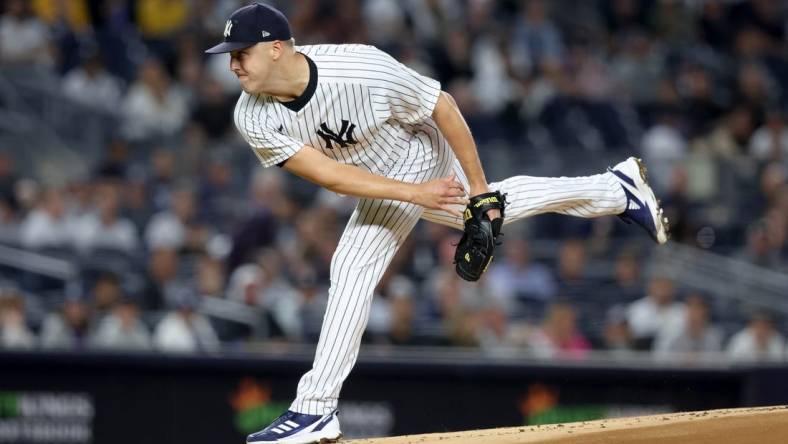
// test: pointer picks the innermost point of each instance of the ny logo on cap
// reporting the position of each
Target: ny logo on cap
(227, 28)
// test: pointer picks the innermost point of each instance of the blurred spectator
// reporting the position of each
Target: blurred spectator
(188, 70)
(617, 336)
(755, 90)
(160, 20)
(401, 293)
(210, 276)
(122, 328)
(761, 14)
(773, 178)
(663, 147)
(9, 220)
(105, 294)
(639, 63)
(48, 225)
(136, 200)
(259, 228)
(656, 310)
(770, 141)
(759, 340)
(694, 334)
(673, 21)
(161, 280)
(185, 329)
(536, 39)
(153, 106)
(713, 25)
(14, 331)
(171, 228)
(218, 194)
(385, 21)
(515, 279)
(104, 228)
(317, 233)
(278, 296)
(8, 174)
(115, 164)
(425, 251)
(623, 16)
(69, 328)
(573, 280)
(24, 39)
(701, 100)
(454, 302)
(92, 85)
(558, 337)
(762, 248)
(493, 330)
(627, 278)
(214, 109)
(161, 180)
(276, 301)
(729, 139)
(452, 57)
(9, 204)
(314, 296)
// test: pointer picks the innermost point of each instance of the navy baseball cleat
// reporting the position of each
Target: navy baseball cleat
(642, 207)
(299, 428)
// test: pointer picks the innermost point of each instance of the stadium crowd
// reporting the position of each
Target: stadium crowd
(183, 243)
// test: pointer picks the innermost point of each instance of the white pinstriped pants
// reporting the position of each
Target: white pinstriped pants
(377, 228)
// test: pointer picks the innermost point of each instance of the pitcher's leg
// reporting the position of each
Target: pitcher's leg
(374, 233)
(586, 196)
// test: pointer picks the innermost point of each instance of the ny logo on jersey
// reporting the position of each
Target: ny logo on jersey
(343, 138)
(228, 27)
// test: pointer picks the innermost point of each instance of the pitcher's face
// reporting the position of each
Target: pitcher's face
(253, 65)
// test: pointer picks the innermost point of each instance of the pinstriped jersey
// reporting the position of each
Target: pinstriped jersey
(361, 107)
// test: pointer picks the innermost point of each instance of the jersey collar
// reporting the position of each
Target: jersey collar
(300, 102)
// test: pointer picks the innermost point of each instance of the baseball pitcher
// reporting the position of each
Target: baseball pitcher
(352, 119)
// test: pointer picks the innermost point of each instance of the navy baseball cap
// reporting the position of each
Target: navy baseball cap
(250, 25)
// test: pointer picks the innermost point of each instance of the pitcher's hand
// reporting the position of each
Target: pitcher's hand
(441, 194)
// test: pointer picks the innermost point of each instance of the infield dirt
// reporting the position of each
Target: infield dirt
(761, 425)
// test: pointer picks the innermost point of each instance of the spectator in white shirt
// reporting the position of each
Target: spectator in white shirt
(185, 329)
(153, 107)
(759, 341)
(48, 225)
(276, 300)
(91, 84)
(657, 310)
(104, 228)
(122, 329)
(693, 335)
(24, 39)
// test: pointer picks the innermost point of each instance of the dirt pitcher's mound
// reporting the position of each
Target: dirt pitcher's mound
(762, 425)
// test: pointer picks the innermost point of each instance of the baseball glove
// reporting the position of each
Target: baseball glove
(475, 250)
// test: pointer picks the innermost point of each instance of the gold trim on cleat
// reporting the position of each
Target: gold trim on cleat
(663, 220)
(642, 168)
